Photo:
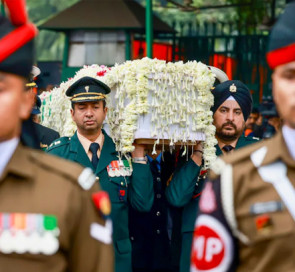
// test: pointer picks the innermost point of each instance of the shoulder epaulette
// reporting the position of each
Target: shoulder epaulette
(59, 142)
(252, 139)
(82, 177)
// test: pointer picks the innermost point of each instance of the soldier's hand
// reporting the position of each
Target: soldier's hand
(197, 155)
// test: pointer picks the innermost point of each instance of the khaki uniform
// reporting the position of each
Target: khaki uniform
(36, 185)
(243, 207)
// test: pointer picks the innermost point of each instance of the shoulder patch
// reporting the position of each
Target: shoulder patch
(86, 179)
(59, 142)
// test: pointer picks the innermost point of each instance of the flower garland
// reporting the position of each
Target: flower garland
(175, 96)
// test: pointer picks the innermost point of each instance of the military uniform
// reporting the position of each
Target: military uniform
(47, 217)
(136, 189)
(245, 205)
(184, 190)
(155, 234)
(46, 135)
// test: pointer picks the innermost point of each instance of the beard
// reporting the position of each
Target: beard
(227, 136)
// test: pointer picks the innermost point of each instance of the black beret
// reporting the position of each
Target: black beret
(87, 89)
(20, 61)
(37, 106)
(281, 48)
(238, 90)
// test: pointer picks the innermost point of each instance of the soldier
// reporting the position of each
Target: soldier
(92, 147)
(246, 212)
(232, 106)
(155, 234)
(50, 209)
(45, 134)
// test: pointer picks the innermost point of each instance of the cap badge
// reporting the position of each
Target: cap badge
(233, 88)
(87, 89)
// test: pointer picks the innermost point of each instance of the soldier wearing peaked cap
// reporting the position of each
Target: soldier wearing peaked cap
(128, 183)
(246, 218)
(232, 106)
(50, 210)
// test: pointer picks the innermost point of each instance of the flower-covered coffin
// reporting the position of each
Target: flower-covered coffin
(150, 99)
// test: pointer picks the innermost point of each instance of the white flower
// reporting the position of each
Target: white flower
(177, 96)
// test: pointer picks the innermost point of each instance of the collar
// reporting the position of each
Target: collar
(20, 163)
(289, 137)
(86, 143)
(7, 149)
(277, 150)
(158, 159)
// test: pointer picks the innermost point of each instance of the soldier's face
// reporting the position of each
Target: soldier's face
(229, 121)
(15, 105)
(284, 92)
(89, 116)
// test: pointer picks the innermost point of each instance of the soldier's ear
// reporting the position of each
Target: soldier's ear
(27, 103)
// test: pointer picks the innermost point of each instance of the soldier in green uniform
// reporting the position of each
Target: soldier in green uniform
(232, 106)
(126, 183)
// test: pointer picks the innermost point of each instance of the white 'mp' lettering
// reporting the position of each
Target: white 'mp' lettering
(213, 247)
(199, 246)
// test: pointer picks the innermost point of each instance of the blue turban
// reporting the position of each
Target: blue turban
(238, 90)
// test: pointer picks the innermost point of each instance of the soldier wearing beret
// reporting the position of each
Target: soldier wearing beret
(232, 106)
(50, 209)
(246, 211)
(126, 182)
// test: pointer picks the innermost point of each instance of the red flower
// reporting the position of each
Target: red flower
(101, 73)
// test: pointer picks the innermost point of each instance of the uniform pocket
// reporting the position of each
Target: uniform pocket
(266, 226)
(121, 180)
(124, 246)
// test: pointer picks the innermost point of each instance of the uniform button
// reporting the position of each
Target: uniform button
(158, 179)
(122, 183)
(158, 231)
(132, 238)
(159, 196)
(158, 213)
(96, 178)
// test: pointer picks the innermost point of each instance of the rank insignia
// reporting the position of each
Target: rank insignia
(102, 202)
(28, 233)
(119, 168)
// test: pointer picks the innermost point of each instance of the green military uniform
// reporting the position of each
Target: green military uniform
(183, 191)
(136, 189)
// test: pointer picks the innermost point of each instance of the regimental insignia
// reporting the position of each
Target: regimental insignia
(87, 89)
(119, 168)
(28, 233)
(102, 202)
(264, 224)
(233, 88)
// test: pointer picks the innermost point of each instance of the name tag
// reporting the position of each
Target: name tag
(266, 207)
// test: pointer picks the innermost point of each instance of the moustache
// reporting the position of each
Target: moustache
(229, 124)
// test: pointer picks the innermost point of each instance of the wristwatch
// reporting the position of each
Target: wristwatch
(139, 159)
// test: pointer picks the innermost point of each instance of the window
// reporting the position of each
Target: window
(93, 47)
